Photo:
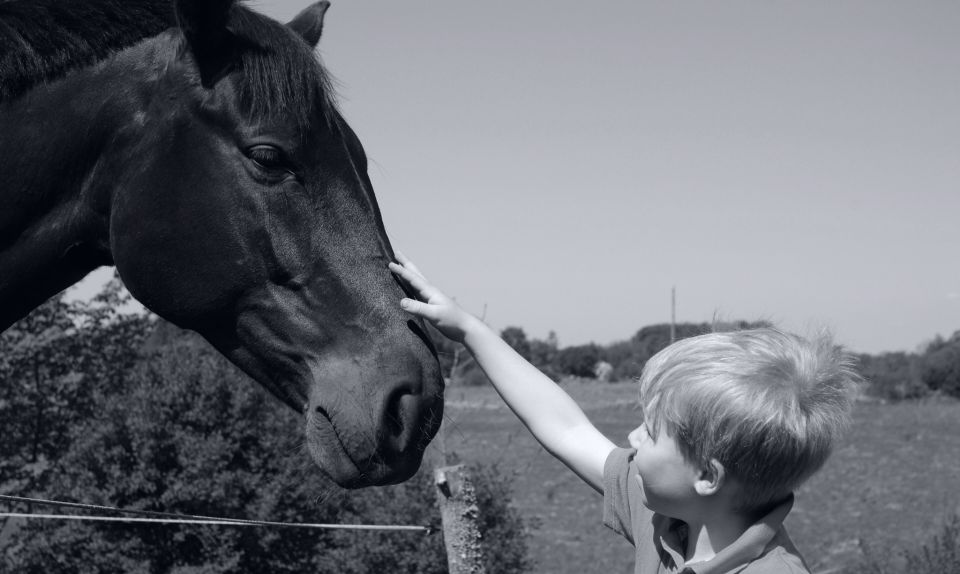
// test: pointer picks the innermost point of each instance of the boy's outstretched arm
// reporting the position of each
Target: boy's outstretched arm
(555, 419)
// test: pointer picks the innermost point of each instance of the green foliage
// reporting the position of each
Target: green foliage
(517, 339)
(501, 528)
(52, 364)
(892, 376)
(580, 360)
(940, 555)
(629, 357)
(456, 363)
(162, 422)
(189, 435)
(542, 354)
(940, 366)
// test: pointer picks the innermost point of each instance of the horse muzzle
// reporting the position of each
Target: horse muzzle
(362, 433)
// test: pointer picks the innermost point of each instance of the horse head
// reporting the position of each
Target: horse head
(240, 208)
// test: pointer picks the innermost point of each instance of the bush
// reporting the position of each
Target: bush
(580, 360)
(502, 529)
(940, 366)
(629, 357)
(893, 376)
(190, 434)
(193, 436)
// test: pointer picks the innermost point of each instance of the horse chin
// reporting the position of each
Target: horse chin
(336, 461)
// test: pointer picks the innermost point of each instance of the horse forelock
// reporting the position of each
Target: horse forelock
(42, 40)
(280, 74)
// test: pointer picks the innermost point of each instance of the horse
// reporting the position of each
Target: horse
(196, 145)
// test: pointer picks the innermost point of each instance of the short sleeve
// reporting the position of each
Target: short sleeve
(619, 492)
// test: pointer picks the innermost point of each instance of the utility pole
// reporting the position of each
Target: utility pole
(673, 314)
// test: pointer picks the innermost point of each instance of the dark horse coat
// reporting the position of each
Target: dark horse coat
(195, 145)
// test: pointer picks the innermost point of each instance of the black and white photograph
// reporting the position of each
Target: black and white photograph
(366, 287)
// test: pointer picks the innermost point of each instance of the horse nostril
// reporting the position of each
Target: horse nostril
(399, 412)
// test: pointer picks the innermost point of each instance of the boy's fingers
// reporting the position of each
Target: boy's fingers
(418, 308)
(414, 280)
(407, 275)
(405, 261)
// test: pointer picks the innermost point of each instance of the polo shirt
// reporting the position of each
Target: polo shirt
(660, 541)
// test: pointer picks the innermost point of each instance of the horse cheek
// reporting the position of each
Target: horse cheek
(174, 252)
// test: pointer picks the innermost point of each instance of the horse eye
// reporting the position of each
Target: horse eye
(268, 157)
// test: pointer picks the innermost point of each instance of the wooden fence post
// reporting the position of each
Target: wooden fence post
(460, 514)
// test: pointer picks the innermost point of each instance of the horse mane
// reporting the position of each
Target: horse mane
(42, 40)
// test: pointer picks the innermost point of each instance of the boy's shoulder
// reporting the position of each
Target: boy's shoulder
(766, 549)
(781, 558)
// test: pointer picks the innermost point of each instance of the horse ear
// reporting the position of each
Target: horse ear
(204, 25)
(309, 22)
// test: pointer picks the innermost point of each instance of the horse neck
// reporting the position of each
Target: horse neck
(54, 209)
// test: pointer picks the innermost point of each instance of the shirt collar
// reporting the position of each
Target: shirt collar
(671, 537)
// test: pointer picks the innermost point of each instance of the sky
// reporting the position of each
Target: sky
(561, 166)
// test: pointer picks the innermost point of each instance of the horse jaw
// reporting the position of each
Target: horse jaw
(369, 386)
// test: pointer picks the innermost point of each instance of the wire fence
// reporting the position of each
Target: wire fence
(156, 517)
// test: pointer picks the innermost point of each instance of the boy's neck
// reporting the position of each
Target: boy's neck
(705, 539)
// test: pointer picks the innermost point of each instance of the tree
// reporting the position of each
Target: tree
(190, 435)
(517, 339)
(543, 355)
(580, 360)
(182, 430)
(940, 365)
(893, 376)
(51, 363)
(629, 357)
(38, 377)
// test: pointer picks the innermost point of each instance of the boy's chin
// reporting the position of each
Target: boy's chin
(643, 492)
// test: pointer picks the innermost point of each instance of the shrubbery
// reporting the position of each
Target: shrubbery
(626, 358)
(167, 424)
(889, 376)
(940, 365)
(897, 376)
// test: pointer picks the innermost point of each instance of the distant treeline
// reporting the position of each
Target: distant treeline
(892, 376)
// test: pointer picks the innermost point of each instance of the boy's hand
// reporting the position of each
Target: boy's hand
(551, 415)
(433, 305)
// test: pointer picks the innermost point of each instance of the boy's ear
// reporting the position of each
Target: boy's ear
(711, 478)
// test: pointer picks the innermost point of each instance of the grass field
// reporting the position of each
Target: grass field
(893, 481)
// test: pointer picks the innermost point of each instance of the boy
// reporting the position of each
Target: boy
(732, 424)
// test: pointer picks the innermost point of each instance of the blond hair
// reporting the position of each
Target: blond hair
(768, 405)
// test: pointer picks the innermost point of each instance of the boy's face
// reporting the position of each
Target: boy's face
(665, 477)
